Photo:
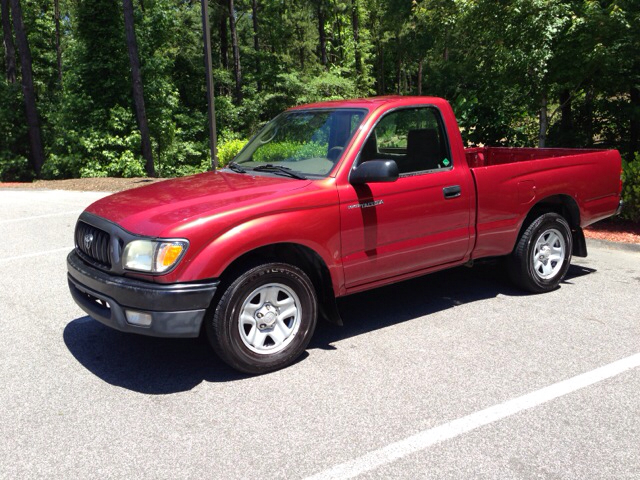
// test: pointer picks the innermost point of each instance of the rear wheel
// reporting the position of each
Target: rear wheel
(542, 255)
(264, 319)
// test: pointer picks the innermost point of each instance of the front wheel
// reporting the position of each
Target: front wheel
(264, 319)
(542, 255)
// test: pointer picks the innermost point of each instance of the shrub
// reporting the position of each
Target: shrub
(631, 189)
(228, 149)
(57, 167)
(15, 169)
(279, 151)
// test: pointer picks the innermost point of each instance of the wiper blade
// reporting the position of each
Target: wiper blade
(279, 169)
(233, 166)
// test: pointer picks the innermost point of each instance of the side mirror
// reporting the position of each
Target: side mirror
(374, 171)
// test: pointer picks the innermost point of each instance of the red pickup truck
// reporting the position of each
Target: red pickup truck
(326, 200)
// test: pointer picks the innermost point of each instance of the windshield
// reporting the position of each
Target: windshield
(308, 142)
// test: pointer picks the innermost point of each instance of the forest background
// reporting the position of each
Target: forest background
(117, 88)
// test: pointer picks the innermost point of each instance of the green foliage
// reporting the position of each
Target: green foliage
(227, 150)
(290, 89)
(15, 169)
(498, 63)
(13, 135)
(289, 150)
(99, 152)
(631, 190)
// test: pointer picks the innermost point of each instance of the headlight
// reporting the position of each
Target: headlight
(153, 256)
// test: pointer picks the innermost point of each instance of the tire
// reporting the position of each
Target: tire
(542, 255)
(264, 319)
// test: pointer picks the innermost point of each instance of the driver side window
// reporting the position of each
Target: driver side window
(413, 137)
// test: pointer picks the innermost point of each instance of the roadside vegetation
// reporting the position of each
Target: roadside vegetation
(98, 88)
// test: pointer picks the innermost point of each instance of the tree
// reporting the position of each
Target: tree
(237, 70)
(517, 72)
(31, 110)
(56, 7)
(322, 35)
(256, 41)
(355, 26)
(224, 36)
(9, 49)
(138, 91)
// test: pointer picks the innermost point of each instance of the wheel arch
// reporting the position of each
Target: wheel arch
(298, 255)
(567, 207)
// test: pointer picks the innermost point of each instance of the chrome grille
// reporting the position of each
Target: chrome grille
(94, 244)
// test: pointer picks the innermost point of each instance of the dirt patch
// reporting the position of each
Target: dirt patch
(101, 184)
(614, 231)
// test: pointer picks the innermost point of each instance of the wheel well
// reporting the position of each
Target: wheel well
(565, 206)
(294, 254)
(561, 204)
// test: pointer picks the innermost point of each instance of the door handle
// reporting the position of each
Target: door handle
(452, 191)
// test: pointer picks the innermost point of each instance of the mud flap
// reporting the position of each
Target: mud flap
(329, 310)
(579, 243)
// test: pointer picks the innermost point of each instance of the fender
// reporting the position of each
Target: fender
(316, 229)
(566, 206)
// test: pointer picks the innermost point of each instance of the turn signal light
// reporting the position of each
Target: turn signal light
(168, 253)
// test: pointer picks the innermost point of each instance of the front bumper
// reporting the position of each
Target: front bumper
(176, 310)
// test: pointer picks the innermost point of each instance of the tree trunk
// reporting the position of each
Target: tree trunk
(566, 121)
(544, 122)
(211, 110)
(322, 36)
(381, 85)
(237, 71)
(56, 13)
(9, 49)
(301, 51)
(588, 105)
(634, 128)
(338, 44)
(136, 82)
(355, 21)
(420, 76)
(224, 37)
(398, 67)
(256, 41)
(35, 137)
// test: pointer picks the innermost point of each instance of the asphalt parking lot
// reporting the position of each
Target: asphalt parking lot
(454, 375)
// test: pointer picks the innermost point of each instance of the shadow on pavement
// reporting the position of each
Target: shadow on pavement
(144, 364)
(577, 271)
(162, 366)
(386, 306)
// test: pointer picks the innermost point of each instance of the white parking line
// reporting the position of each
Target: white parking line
(427, 438)
(36, 254)
(36, 217)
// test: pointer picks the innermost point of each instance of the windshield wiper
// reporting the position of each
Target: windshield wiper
(233, 166)
(279, 169)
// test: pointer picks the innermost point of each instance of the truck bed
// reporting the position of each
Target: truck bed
(509, 181)
(489, 156)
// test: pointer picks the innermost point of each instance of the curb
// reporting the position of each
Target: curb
(628, 247)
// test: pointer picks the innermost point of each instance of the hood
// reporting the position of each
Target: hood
(153, 209)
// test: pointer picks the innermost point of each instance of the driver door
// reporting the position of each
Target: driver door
(421, 220)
